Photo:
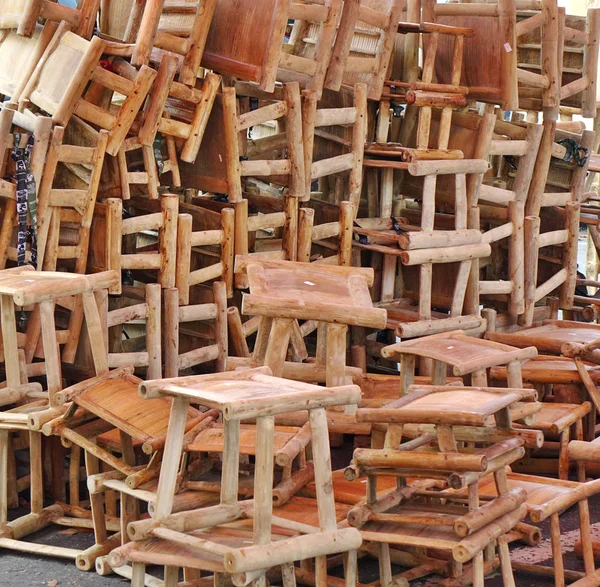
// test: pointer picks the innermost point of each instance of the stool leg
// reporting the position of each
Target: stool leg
(321, 571)
(138, 575)
(559, 568)
(288, 575)
(279, 340)
(508, 579)
(171, 576)
(231, 462)
(4, 448)
(9, 340)
(74, 467)
(263, 479)
(439, 373)
(580, 464)
(479, 378)
(586, 537)
(513, 374)
(262, 338)
(385, 564)
(171, 457)
(35, 470)
(351, 568)
(336, 354)
(563, 455)
(51, 352)
(92, 467)
(95, 333)
(478, 571)
(407, 373)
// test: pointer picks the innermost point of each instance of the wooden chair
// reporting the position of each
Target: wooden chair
(24, 14)
(495, 27)
(364, 22)
(324, 125)
(250, 392)
(176, 316)
(125, 350)
(556, 226)
(109, 253)
(397, 517)
(268, 59)
(174, 109)
(205, 248)
(66, 207)
(59, 81)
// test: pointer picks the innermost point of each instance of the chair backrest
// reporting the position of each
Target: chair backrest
(172, 27)
(260, 53)
(19, 56)
(323, 125)
(364, 44)
(159, 256)
(124, 349)
(23, 15)
(333, 237)
(182, 330)
(67, 205)
(205, 248)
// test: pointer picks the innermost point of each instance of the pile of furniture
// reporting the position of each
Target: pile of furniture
(234, 235)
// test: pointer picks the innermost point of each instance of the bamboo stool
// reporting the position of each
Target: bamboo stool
(271, 59)
(23, 15)
(282, 293)
(466, 356)
(364, 23)
(389, 519)
(22, 287)
(250, 394)
(161, 259)
(205, 248)
(58, 84)
(548, 498)
(177, 315)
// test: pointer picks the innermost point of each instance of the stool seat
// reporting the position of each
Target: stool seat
(549, 369)
(553, 418)
(27, 286)
(253, 392)
(463, 353)
(284, 289)
(449, 405)
(549, 337)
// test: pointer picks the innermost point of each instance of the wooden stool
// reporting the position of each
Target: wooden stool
(21, 287)
(240, 396)
(283, 292)
(548, 498)
(387, 520)
(466, 356)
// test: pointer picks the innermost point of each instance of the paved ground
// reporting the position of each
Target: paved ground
(21, 570)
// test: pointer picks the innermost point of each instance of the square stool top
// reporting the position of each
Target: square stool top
(27, 286)
(464, 353)
(250, 393)
(305, 291)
